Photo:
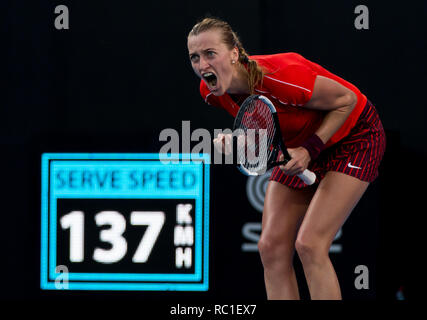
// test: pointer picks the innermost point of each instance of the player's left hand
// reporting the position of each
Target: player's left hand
(298, 163)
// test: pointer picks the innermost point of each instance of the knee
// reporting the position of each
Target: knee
(274, 251)
(311, 251)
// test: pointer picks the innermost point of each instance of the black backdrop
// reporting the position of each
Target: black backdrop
(121, 74)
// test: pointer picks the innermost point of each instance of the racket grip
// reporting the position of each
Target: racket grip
(308, 177)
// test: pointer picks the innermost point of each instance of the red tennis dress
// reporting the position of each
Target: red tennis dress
(355, 149)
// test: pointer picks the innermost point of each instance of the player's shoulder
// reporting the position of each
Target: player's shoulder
(280, 62)
(279, 59)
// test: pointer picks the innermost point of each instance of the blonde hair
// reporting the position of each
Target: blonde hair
(231, 40)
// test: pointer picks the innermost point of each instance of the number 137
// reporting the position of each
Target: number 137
(114, 235)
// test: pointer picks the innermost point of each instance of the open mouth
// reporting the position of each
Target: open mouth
(210, 78)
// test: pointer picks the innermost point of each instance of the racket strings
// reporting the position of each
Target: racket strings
(259, 131)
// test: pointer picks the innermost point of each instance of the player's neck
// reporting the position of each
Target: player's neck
(239, 82)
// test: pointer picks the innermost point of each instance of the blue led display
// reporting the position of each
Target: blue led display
(95, 221)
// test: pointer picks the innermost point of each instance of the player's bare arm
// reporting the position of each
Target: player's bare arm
(329, 95)
(333, 98)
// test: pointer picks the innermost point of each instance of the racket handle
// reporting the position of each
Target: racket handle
(308, 177)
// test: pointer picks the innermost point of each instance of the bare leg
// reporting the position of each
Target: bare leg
(284, 209)
(332, 203)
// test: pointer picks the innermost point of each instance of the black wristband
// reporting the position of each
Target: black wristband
(314, 146)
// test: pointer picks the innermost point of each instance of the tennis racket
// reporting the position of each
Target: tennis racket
(257, 139)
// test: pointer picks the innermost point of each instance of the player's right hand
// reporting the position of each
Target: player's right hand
(300, 159)
(223, 143)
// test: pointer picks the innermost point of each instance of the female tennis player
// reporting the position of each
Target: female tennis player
(329, 127)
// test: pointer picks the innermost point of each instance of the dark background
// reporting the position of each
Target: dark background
(121, 74)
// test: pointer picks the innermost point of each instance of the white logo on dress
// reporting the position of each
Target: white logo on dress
(350, 166)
